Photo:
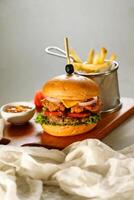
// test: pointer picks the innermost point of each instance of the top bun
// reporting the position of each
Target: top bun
(71, 87)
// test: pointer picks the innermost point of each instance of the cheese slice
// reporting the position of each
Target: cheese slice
(69, 103)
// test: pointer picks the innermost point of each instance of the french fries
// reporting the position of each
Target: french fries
(96, 59)
(74, 55)
(90, 68)
(90, 56)
(96, 62)
(103, 54)
(112, 57)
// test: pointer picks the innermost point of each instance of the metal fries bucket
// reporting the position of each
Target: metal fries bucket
(107, 81)
(109, 87)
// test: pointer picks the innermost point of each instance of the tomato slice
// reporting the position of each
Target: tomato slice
(78, 115)
(37, 99)
(53, 113)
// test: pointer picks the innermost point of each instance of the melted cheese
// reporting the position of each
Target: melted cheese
(69, 103)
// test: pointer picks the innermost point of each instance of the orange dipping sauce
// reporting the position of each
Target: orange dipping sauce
(17, 109)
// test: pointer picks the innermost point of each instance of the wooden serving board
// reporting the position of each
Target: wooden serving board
(31, 133)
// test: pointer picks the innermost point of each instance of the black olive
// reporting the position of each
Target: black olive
(69, 68)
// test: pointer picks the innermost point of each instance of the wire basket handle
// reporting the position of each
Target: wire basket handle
(60, 52)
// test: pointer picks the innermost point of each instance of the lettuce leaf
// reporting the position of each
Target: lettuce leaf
(93, 119)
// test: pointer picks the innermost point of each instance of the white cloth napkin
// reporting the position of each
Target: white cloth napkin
(2, 124)
(84, 170)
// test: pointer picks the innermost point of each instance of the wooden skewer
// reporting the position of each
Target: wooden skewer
(67, 49)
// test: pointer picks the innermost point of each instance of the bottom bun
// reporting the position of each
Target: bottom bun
(67, 130)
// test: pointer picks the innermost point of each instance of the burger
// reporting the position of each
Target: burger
(71, 105)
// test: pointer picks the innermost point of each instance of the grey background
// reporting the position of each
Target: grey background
(28, 26)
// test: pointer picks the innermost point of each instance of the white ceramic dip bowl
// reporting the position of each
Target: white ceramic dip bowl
(18, 118)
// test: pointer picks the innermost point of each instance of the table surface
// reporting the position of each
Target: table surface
(122, 136)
